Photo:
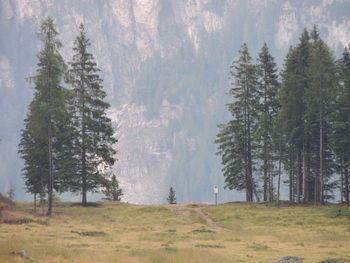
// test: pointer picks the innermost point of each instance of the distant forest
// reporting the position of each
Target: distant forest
(292, 127)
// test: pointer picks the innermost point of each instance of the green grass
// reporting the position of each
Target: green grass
(114, 232)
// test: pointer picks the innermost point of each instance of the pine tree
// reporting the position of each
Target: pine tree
(281, 148)
(47, 126)
(319, 100)
(292, 114)
(93, 138)
(235, 140)
(112, 190)
(171, 198)
(309, 82)
(35, 158)
(267, 89)
(341, 126)
(230, 148)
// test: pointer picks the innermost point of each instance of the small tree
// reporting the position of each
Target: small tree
(112, 190)
(11, 193)
(171, 198)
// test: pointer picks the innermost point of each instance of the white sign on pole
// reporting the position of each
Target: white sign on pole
(216, 190)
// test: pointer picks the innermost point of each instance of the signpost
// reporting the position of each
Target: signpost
(216, 191)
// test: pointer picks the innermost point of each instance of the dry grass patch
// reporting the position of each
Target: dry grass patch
(115, 232)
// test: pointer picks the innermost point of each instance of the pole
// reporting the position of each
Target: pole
(216, 191)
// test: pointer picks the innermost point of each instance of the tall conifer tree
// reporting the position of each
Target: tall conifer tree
(235, 139)
(267, 110)
(319, 99)
(341, 131)
(292, 115)
(45, 145)
(93, 130)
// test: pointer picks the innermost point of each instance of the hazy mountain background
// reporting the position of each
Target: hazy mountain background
(165, 65)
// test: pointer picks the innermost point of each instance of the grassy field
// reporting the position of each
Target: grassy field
(114, 232)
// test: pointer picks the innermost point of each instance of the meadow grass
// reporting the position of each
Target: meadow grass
(117, 232)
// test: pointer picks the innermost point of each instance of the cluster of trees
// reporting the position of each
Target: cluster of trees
(67, 139)
(295, 125)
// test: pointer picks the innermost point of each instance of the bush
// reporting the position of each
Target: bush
(257, 246)
(203, 230)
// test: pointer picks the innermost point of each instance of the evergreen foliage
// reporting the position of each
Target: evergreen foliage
(45, 145)
(294, 84)
(237, 145)
(300, 126)
(267, 110)
(171, 198)
(93, 133)
(341, 131)
(319, 100)
(112, 190)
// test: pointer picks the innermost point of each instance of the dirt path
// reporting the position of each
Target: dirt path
(209, 221)
(185, 210)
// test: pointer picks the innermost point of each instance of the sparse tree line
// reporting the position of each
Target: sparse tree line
(292, 127)
(67, 139)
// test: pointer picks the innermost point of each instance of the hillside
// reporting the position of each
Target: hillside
(234, 232)
(165, 66)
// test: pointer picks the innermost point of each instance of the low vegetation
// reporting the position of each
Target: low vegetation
(116, 232)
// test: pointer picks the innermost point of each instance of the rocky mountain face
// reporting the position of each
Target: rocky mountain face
(165, 65)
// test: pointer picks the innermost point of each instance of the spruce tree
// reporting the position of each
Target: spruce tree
(171, 198)
(112, 190)
(267, 89)
(47, 130)
(230, 147)
(31, 149)
(292, 114)
(319, 99)
(93, 138)
(309, 82)
(235, 140)
(341, 126)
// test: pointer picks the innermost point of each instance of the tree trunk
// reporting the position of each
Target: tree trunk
(49, 135)
(265, 177)
(83, 170)
(342, 180)
(271, 188)
(279, 174)
(256, 194)
(250, 166)
(291, 162)
(50, 186)
(251, 187)
(83, 150)
(346, 184)
(305, 177)
(298, 176)
(317, 185)
(321, 164)
(34, 202)
(249, 183)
